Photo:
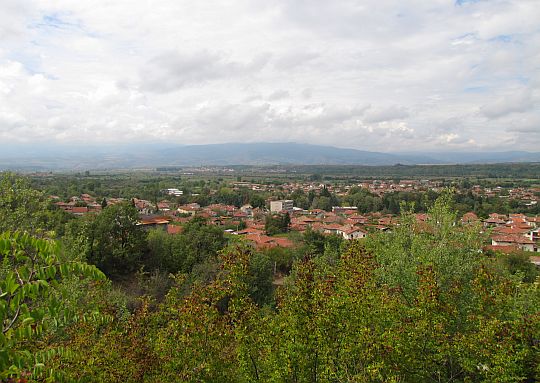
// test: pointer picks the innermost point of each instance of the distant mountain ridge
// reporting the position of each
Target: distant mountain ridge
(143, 155)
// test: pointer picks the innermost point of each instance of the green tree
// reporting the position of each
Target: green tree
(197, 244)
(23, 208)
(314, 241)
(31, 302)
(260, 278)
(112, 240)
(277, 223)
(256, 200)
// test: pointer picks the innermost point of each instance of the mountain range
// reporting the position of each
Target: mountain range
(56, 157)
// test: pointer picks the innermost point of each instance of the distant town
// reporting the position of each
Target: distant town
(508, 232)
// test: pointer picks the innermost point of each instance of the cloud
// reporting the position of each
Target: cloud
(278, 95)
(530, 125)
(13, 14)
(292, 60)
(390, 113)
(516, 102)
(373, 75)
(307, 93)
(173, 70)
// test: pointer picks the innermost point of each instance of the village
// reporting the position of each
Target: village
(507, 232)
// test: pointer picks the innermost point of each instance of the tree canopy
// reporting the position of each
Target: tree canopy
(423, 303)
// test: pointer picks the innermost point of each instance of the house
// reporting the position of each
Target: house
(247, 209)
(333, 228)
(386, 221)
(469, 217)
(221, 209)
(534, 235)
(421, 217)
(354, 233)
(159, 222)
(357, 219)
(174, 229)
(261, 241)
(175, 192)
(507, 230)
(79, 210)
(347, 210)
(164, 206)
(347, 232)
(190, 209)
(240, 215)
(87, 198)
(535, 260)
(94, 208)
(143, 207)
(494, 221)
(65, 206)
(281, 205)
(520, 241)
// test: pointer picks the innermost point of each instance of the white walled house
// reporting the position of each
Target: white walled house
(281, 205)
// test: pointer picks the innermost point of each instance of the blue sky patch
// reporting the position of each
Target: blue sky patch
(462, 2)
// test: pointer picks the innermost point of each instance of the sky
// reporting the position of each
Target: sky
(378, 75)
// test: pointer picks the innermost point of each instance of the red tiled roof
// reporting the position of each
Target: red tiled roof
(355, 229)
(511, 230)
(283, 242)
(357, 217)
(333, 226)
(470, 216)
(421, 217)
(494, 220)
(174, 229)
(512, 239)
(155, 221)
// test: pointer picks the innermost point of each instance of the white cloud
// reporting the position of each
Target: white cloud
(278, 95)
(173, 70)
(389, 113)
(374, 75)
(516, 102)
(529, 125)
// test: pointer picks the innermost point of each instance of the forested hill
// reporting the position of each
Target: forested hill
(163, 154)
(500, 170)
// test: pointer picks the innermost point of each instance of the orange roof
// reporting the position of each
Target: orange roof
(512, 239)
(333, 226)
(283, 242)
(495, 220)
(155, 221)
(511, 230)
(470, 216)
(174, 229)
(265, 241)
(355, 229)
(358, 217)
(421, 217)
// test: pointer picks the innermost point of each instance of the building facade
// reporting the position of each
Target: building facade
(281, 205)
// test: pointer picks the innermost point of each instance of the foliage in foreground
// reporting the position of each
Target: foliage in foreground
(421, 304)
(334, 322)
(32, 301)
